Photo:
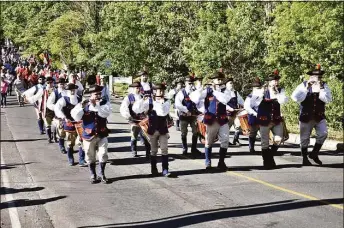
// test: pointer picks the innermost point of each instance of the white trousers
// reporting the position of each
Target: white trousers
(216, 130)
(90, 148)
(157, 139)
(277, 131)
(306, 130)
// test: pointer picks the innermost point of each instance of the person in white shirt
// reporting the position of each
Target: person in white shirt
(157, 109)
(188, 116)
(312, 95)
(252, 115)
(268, 101)
(73, 78)
(212, 102)
(66, 128)
(172, 96)
(34, 96)
(235, 103)
(134, 119)
(93, 114)
(19, 88)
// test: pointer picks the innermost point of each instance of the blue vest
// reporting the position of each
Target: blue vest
(135, 116)
(93, 125)
(312, 108)
(233, 103)
(214, 110)
(269, 110)
(155, 122)
(189, 105)
(252, 120)
(66, 110)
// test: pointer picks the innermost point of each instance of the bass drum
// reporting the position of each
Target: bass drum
(242, 120)
(201, 132)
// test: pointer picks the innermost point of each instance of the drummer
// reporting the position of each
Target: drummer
(172, 96)
(188, 115)
(212, 102)
(252, 115)
(66, 129)
(268, 101)
(235, 104)
(133, 118)
(157, 108)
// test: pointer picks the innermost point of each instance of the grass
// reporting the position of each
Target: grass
(332, 133)
(120, 89)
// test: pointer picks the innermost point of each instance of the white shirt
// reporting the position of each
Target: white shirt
(124, 109)
(301, 91)
(161, 107)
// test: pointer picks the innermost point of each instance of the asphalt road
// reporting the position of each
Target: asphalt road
(40, 189)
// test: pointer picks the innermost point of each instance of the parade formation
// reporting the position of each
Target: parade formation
(71, 113)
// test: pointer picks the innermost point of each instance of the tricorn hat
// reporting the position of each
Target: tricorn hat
(71, 86)
(61, 80)
(161, 86)
(135, 84)
(218, 75)
(316, 71)
(256, 82)
(274, 76)
(94, 89)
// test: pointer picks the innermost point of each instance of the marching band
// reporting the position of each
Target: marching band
(211, 109)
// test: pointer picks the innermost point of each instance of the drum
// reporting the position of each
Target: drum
(79, 129)
(202, 128)
(285, 133)
(144, 127)
(243, 118)
(170, 121)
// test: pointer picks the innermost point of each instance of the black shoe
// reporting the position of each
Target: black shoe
(154, 172)
(196, 152)
(252, 150)
(103, 179)
(63, 151)
(94, 179)
(222, 166)
(50, 140)
(306, 162)
(315, 158)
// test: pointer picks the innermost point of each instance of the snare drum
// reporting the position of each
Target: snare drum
(243, 119)
(202, 128)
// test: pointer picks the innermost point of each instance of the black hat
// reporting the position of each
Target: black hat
(71, 86)
(161, 86)
(142, 73)
(49, 79)
(61, 80)
(316, 71)
(256, 83)
(135, 84)
(229, 79)
(189, 79)
(196, 78)
(94, 89)
(218, 75)
(41, 77)
(274, 76)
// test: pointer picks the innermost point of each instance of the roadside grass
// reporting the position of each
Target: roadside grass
(332, 134)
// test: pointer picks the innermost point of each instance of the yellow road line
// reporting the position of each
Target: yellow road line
(277, 187)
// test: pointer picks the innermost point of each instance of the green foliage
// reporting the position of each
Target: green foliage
(246, 39)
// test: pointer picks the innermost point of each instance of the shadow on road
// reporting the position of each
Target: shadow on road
(5, 190)
(22, 140)
(223, 213)
(12, 165)
(27, 202)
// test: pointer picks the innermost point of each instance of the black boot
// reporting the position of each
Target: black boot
(236, 138)
(148, 149)
(41, 126)
(178, 125)
(133, 145)
(305, 161)
(154, 169)
(274, 149)
(48, 130)
(314, 154)
(251, 142)
(268, 159)
(194, 150)
(222, 165)
(185, 145)
(102, 173)
(164, 162)
(92, 167)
